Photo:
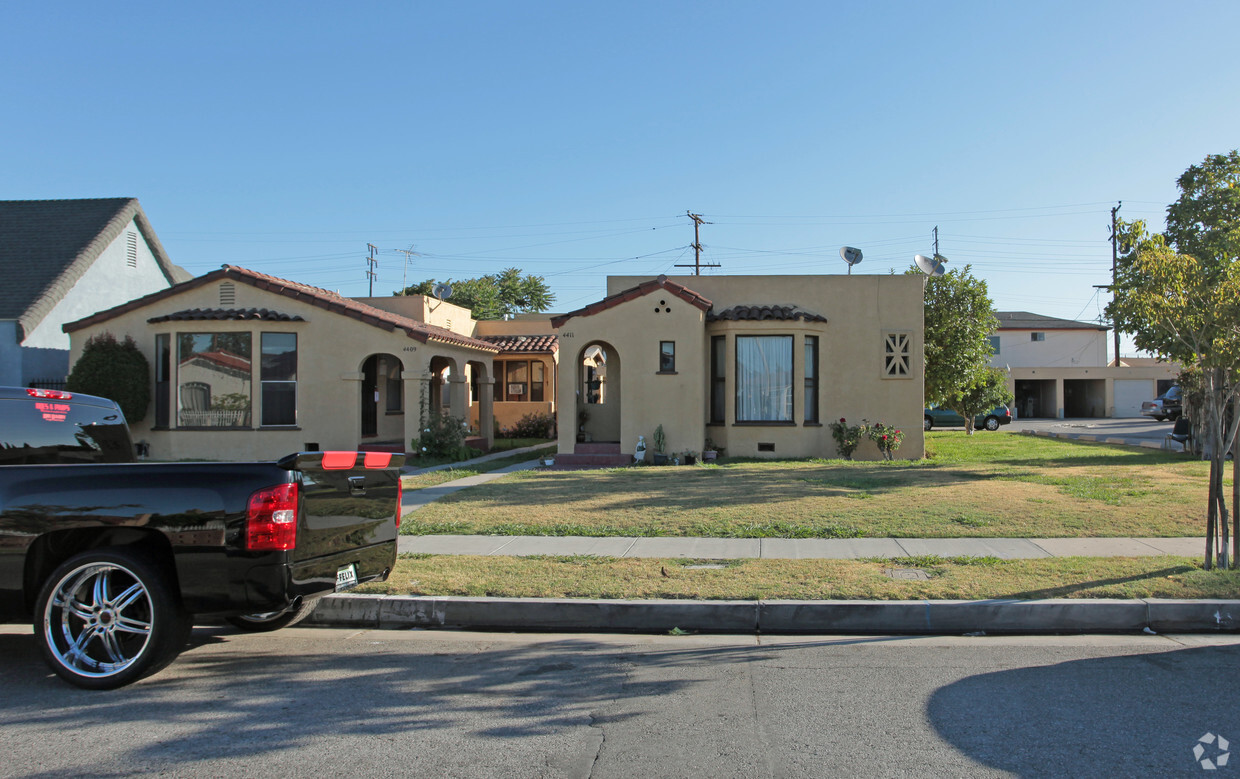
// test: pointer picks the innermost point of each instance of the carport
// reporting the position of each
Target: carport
(1035, 398)
(1085, 398)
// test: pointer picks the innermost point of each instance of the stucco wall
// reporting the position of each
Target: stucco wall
(108, 282)
(331, 351)
(1061, 349)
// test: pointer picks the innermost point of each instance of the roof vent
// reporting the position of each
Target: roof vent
(228, 294)
(131, 249)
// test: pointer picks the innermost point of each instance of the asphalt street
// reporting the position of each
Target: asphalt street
(323, 702)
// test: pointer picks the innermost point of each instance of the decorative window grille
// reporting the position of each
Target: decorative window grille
(896, 355)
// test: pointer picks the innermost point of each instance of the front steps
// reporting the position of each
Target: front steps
(594, 455)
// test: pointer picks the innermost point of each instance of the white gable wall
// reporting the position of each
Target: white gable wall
(1061, 349)
(108, 282)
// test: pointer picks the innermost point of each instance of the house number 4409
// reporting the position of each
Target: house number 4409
(569, 334)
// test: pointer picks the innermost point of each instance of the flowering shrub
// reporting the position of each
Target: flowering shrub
(442, 436)
(847, 437)
(887, 437)
(532, 426)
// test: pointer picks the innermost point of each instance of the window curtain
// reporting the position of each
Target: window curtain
(764, 378)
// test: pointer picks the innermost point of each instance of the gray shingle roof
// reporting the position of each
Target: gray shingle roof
(1023, 320)
(46, 246)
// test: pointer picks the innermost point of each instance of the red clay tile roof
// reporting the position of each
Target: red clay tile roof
(761, 313)
(218, 314)
(645, 288)
(320, 298)
(532, 344)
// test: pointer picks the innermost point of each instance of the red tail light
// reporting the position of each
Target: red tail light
(46, 393)
(271, 520)
(400, 489)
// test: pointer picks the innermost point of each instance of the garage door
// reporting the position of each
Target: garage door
(1130, 394)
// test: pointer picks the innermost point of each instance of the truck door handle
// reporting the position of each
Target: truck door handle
(357, 485)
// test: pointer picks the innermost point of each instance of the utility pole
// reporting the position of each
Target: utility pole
(1114, 263)
(371, 263)
(404, 277)
(936, 241)
(697, 246)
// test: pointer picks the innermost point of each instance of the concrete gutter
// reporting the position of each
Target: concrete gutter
(748, 616)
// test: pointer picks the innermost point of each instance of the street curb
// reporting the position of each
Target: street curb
(394, 612)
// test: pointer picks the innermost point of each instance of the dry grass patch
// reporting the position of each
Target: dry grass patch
(950, 579)
(995, 485)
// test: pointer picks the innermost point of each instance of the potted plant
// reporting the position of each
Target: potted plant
(583, 416)
(660, 446)
(709, 451)
(689, 458)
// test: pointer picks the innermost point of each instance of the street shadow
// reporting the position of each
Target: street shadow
(1126, 715)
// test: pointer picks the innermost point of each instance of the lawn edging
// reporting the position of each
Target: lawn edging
(776, 616)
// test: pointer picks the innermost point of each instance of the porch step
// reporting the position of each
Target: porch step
(597, 447)
(395, 448)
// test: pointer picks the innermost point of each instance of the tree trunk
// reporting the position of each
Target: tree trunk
(1211, 514)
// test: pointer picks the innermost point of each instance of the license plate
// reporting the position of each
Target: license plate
(346, 577)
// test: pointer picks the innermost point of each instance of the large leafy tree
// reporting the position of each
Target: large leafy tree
(1179, 295)
(494, 296)
(959, 320)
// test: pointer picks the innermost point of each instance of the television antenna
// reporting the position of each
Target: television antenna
(851, 256)
(932, 266)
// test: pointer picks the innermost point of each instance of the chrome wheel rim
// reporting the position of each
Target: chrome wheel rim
(98, 621)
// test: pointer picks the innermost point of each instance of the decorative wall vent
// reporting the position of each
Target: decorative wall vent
(228, 294)
(896, 355)
(131, 249)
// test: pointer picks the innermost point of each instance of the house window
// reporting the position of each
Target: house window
(811, 378)
(718, 378)
(896, 355)
(279, 379)
(163, 380)
(213, 379)
(764, 378)
(1037, 336)
(994, 344)
(667, 356)
(537, 382)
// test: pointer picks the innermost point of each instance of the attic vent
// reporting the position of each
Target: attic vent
(449, 323)
(228, 294)
(131, 249)
(897, 355)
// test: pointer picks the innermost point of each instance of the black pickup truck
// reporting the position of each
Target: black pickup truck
(113, 560)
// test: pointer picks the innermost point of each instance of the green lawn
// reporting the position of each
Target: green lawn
(994, 485)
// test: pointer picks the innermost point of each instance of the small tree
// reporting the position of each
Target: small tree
(959, 320)
(494, 296)
(988, 390)
(116, 370)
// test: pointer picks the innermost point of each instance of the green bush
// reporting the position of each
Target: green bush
(442, 436)
(114, 370)
(533, 426)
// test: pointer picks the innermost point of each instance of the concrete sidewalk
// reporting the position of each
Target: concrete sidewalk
(800, 548)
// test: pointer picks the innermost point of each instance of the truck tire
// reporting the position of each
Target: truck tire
(273, 620)
(108, 617)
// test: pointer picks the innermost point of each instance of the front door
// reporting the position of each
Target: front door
(370, 396)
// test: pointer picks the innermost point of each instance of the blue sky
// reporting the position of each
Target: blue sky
(569, 139)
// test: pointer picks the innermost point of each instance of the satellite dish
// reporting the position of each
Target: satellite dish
(442, 290)
(931, 266)
(851, 256)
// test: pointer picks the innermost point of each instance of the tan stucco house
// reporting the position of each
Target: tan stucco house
(250, 366)
(758, 365)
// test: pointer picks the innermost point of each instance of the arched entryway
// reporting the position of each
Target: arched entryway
(598, 393)
(382, 401)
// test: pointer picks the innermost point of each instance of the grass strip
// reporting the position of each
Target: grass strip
(964, 578)
(420, 481)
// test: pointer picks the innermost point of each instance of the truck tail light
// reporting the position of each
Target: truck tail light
(400, 489)
(50, 394)
(271, 520)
